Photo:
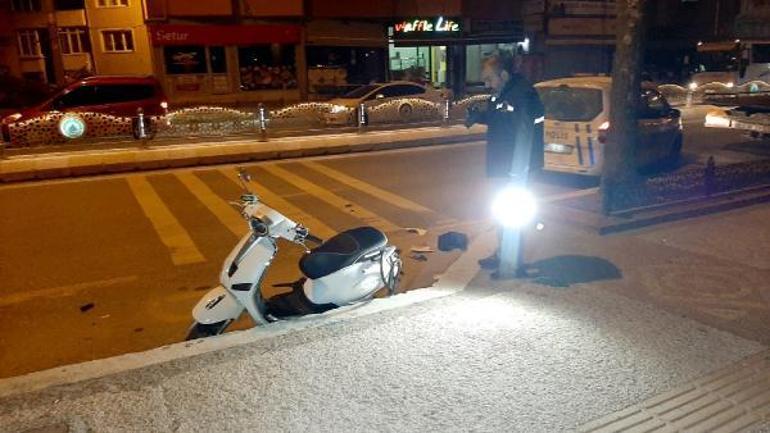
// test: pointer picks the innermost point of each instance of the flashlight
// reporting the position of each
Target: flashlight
(514, 206)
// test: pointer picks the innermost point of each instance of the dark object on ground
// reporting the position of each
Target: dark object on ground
(86, 307)
(451, 240)
(563, 271)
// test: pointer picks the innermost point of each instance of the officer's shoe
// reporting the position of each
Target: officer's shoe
(490, 263)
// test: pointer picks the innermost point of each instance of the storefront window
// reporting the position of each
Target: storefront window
(189, 59)
(425, 65)
(218, 60)
(270, 66)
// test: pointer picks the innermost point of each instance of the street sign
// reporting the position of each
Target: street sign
(72, 126)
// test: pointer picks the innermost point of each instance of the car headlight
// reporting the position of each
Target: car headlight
(12, 118)
(692, 86)
(336, 109)
(514, 206)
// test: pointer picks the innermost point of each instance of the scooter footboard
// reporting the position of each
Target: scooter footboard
(216, 306)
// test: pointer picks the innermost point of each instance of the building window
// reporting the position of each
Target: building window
(73, 40)
(186, 59)
(267, 67)
(118, 41)
(68, 5)
(111, 3)
(26, 5)
(29, 43)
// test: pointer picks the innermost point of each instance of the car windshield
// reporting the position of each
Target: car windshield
(360, 92)
(571, 104)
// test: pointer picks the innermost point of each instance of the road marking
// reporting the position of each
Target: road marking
(340, 203)
(221, 209)
(374, 191)
(316, 226)
(729, 400)
(181, 247)
(53, 292)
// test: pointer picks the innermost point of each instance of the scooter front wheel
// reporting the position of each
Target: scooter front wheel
(203, 330)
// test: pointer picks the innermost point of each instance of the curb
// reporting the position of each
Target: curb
(73, 164)
(659, 214)
(453, 280)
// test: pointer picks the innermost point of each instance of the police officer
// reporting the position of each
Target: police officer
(514, 119)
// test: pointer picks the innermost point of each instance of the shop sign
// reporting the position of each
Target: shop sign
(427, 28)
(72, 126)
(181, 34)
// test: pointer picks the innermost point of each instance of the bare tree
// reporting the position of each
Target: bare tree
(619, 171)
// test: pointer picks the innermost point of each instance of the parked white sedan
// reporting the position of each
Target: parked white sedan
(402, 101)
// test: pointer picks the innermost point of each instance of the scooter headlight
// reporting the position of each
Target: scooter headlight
(514, 206)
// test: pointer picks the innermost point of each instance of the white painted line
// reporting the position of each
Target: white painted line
(347, 206)
(181, 247)
(316, 226)
(372, 190)
(222, 210)
(61, 291)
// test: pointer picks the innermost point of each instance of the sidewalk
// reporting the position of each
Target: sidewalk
(602, 324)
(219, 151)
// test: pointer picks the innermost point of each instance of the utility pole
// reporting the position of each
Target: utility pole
(619, 170)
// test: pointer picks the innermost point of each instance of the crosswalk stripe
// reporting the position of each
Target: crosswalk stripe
(316, 226)
(379, 193)
(221, 209)
(340, 203)
(172, 234)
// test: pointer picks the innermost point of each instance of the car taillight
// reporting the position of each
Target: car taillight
(164, 105)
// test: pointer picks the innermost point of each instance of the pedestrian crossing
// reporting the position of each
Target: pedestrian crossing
(291, 188)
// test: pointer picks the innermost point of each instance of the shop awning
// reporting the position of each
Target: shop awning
(181, 34)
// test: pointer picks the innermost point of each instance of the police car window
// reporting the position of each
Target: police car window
(654, 105)
(571, 104)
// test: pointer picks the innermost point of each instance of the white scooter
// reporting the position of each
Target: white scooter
(350, 267)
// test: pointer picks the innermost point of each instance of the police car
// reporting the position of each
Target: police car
(577, 113)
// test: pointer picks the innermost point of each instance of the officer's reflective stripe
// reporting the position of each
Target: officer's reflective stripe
(540, 119)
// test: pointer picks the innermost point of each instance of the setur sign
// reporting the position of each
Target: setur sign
(427, 28)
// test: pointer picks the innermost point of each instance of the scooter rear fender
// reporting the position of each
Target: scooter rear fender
(217, 305)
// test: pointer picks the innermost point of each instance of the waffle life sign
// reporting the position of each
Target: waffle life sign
(427, 28)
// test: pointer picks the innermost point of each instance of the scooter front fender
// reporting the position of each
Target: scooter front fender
(217, 305)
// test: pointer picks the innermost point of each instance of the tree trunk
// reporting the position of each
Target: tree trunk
(619, 170)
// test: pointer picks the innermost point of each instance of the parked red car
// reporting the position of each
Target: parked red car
(113, 95)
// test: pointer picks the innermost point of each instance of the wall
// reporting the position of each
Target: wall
(367, 9)
(139, 61)
(279, 8)
(428, 8)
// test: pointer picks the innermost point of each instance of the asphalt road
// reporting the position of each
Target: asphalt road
(97, 267)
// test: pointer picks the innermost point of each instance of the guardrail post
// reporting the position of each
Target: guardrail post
(709, 177)
(140, 127)
(262, 118)
(361, 118)
(447, 105)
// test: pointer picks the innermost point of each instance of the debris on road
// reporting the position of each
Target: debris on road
(419, 257)
(422, 249)
(451, 240)
(416, 230)
(86, 307)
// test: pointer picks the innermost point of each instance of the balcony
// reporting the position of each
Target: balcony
(71, 18)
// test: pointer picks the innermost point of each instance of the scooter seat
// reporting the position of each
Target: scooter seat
(340, 251)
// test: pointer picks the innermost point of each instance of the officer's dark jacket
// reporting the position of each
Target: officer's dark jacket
(511, 122)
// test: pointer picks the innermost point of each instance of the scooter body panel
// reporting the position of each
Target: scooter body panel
(244, 269)
(352, 283)
(216, 306)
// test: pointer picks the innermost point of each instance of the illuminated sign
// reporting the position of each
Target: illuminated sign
(427, 28)
(72, 126)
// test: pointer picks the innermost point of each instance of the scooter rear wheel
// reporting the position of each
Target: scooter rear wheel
(202, 330)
